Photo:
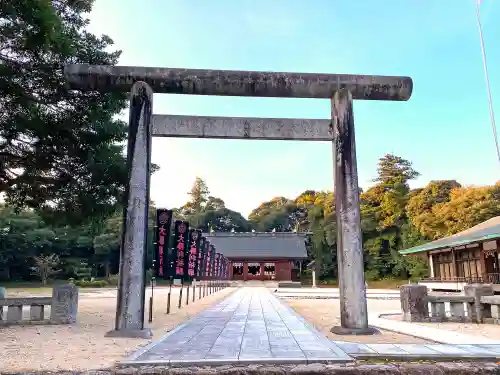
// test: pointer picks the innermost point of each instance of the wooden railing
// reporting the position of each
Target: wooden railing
(490, 278)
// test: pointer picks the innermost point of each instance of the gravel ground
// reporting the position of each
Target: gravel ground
(83, 345)
(490, 331)
(324, 314)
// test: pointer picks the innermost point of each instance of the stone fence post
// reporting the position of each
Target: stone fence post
(413, 304)
(64, 306)
(478, 311)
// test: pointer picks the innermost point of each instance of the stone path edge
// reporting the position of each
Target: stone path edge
(132, 359)
(423, 332)
(463, 368)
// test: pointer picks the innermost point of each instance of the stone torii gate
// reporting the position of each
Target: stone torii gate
(339, 129)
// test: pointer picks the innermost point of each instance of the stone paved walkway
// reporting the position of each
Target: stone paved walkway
(252, 326)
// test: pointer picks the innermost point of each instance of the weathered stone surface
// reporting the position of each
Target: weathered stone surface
(440, 368)
(239, 83)
(438, 312)
(479, 311)
(14, 314)
(457, 310)
(3, 292)
(251, 325)
(64, 308)
(36, 312)
(241, 128)
(413, 302)
(352, 287)
(443, 368)
(131, 294)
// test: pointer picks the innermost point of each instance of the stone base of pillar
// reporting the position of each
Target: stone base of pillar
(338, 330)
(145, 333)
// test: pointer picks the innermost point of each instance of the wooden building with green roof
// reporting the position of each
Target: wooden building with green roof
(471, 256)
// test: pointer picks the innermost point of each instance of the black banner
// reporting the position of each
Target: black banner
(225, 268)
(180, 248)
(218, 264)
(162, 233)
(191, 256)
(206, 260)
(212, 262)
(200, 265)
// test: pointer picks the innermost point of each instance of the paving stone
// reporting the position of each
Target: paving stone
(354, 348)
(479, 350)
(491, 348)
(416, 349)
(386, 349)
(448, 349)
(249, 326)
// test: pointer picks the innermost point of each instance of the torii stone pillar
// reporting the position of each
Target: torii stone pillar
(132, 282)
(342, 89)
(353, 307)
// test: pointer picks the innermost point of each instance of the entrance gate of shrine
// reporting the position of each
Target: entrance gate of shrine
(339, 129)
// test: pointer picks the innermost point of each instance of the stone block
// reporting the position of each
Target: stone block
(37, 312)
(289, 284)
(457, 310)
(413, 303)
(478, 310)
(64, 306)
(3, 292)
(495, 311)
(438, 311)
(14, 313)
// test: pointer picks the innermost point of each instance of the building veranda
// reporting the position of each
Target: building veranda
(471, 256)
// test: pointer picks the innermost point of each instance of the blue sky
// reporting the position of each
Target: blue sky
(444, 129)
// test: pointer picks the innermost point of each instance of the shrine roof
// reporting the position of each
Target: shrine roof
(259, 245)
(486, 231)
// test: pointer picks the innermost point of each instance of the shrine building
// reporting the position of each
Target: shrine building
(469, 257)
(261, 256)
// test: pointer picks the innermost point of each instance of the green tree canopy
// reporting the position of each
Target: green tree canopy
(60, 149)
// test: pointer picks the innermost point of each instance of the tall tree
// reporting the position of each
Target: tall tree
(59, 148)
(199, 194)
(393, 170)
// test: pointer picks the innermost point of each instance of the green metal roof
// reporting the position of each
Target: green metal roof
(488, 230)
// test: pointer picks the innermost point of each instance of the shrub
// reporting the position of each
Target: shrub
(113, 280)
(90, 284)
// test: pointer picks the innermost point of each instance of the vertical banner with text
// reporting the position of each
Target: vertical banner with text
(163, 224)
(191, 256)
(226, 268)
(201, 259)
(218, 258)
(212, 261)
(181, 246)
(208, 259)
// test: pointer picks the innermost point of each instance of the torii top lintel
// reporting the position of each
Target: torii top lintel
(238, 83)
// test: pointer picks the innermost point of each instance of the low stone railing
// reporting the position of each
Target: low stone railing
(63, 308)
(478, 304)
